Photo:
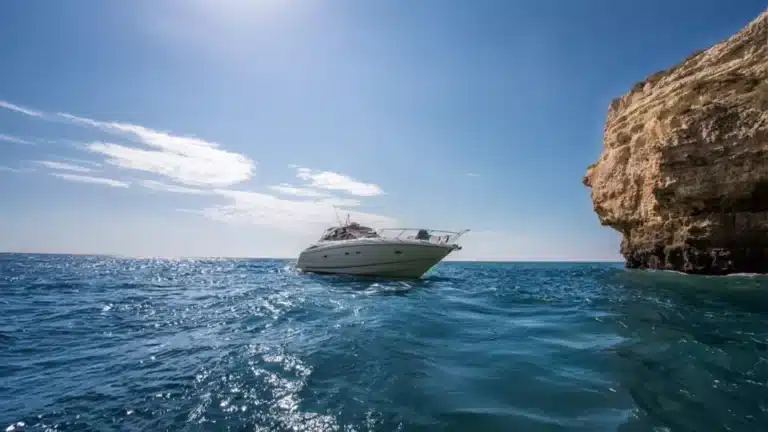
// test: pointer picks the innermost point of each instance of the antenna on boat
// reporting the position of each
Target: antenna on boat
(337, 214)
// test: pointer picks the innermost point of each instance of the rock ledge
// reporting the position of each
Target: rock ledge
(683, 175)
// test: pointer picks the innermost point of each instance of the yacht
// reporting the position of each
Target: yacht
(354, 249)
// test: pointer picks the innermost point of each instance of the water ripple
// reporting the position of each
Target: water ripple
(105, 343)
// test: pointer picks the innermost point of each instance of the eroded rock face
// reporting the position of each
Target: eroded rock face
(684, 170)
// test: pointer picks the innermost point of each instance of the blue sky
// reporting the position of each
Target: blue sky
(230, 128)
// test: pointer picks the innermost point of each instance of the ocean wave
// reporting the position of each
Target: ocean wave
(103, 343)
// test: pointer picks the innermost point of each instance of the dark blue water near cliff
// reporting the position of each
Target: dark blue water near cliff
(98, 343)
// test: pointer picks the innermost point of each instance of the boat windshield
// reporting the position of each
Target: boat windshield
(428, 235)
(348, 232)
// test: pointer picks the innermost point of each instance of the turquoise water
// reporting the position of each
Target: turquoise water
(98, 343)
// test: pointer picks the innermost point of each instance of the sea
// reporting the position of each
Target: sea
(97, 343)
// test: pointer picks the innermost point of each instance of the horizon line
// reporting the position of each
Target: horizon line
(170, 257)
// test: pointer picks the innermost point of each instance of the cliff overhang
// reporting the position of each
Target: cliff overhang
(683, 174)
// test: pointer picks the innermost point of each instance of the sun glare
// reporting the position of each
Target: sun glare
(242, 10)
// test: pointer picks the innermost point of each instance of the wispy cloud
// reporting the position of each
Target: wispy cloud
(216, 168)
(198, 167)
(16, 170)
(90, 179)
(15, 140)
(471, 174)
(335, 181)
(63, 166)
(183, 159)
(83, 162)
(80, 145)
(263, 209)
(165, 187)
(287, 189)
(186, 160)
(20, 109)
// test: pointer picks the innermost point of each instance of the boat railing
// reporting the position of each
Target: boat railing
(433, 236)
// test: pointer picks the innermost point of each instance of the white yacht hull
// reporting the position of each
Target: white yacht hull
(374, 257)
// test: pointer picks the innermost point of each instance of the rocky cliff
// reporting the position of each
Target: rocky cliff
(684, 170)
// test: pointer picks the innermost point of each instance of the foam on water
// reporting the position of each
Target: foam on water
(108, 343)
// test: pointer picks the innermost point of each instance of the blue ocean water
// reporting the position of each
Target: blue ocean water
(100, 343)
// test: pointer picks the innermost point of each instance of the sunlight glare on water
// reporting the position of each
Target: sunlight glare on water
(100, 343)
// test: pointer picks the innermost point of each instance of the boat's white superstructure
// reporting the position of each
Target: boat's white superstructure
(358, 250)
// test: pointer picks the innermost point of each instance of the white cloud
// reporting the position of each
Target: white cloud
(289, 215)
(90, 179)
(199, 167)
(63, 166)
(335, 181)
(15, 140)
(83, 162)
(287, 189)
(165, 187)
(20, 109)
(471, 174)
(80, 145)
(217, 168)
(186, 160)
